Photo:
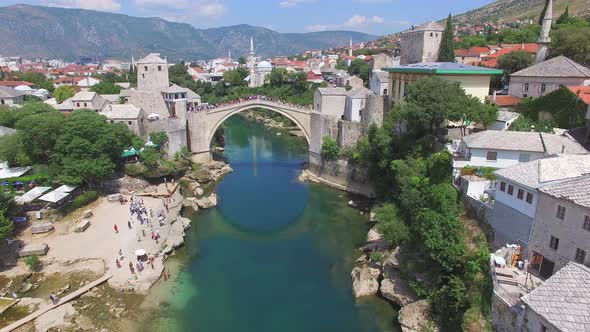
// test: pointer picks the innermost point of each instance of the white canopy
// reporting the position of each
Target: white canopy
(31, 195)
(140, 252)
(54, 196)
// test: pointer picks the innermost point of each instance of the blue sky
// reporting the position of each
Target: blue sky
(377, 17)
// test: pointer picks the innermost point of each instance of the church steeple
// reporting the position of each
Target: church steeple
(544, 39)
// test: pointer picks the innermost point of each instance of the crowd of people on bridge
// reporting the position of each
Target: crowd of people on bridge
(203, 107)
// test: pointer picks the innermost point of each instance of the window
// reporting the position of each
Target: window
(560, 212)
(2, 101)
(520, 194)
(587, 223)
(554, 243)
(529, 198)
(159, 68)
(142, 75)
(524, 95)
(431, 34)
(145, 68)
(129, 123)
(510, 189)
(384, 92)
(78, 104)
(502, 186)
(112, 121)
(542, 88)
(492, 155)
(524, 157)
(85, 105)
(525, 87)
(580, 256)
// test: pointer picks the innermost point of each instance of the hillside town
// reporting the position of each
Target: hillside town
(430, 128)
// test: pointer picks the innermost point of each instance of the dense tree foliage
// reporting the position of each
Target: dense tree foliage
(330, 148)
(572, 42)
(63, 92)
(106, 88)
(80, 148)
(39, 80)
(514, 61)
(446, 51)
(360, 68)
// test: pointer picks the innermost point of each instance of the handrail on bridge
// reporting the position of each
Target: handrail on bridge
(245, 100)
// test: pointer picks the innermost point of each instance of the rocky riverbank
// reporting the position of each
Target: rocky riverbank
(379, 271)
(75, 259)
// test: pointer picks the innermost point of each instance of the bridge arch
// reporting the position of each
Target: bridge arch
(304, 127)
(202, 124)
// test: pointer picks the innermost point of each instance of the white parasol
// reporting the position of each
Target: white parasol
(140, 252)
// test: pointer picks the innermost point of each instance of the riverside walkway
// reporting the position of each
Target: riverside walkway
(62, 301)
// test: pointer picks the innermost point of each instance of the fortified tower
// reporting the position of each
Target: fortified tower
(421, 44)
(152, 73)
(544, 39)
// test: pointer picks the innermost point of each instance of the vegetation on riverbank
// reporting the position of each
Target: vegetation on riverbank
(423, 211)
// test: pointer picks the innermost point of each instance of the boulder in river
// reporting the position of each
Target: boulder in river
(365, 281)
(374, 235)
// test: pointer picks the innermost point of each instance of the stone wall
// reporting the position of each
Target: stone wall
(150, 102)
(154, 79)
(348, 177)
(349, 133)
(506, 318)
(373, 113)
(510, 226)
(176, 131)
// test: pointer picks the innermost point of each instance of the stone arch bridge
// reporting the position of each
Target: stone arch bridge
(202, 124)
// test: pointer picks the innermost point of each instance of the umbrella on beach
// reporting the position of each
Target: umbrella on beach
(140, 252)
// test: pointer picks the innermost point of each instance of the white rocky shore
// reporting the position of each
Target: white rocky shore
(377, 272)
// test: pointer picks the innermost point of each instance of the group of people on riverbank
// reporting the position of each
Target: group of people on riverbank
(140, 220)
(203, 107)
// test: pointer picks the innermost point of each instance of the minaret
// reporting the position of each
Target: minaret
(228, 55)
(251, 62)
(544, 39)
(350, 48)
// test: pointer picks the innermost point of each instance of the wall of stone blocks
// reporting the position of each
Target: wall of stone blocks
(349, 133)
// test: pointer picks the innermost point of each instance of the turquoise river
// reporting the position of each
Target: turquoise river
(275, 255)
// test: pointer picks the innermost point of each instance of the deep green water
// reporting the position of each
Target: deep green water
(275, 255)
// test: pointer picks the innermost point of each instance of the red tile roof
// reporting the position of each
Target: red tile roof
(504, 100)
(15, 83)
(583, 92)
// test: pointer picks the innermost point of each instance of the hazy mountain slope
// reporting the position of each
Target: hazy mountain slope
(511, 10)
(32, 31)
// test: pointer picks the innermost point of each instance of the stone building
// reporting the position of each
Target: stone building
(561, 231)
(355, 103)
(152, 73)
(10, 96)
(88, 100)
(132, 116)
(379, 82)
(421, 44)
(547, 76)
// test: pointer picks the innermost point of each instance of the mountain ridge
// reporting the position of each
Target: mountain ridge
(39, 31)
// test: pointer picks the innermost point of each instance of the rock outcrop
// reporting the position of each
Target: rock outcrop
(207, 202)
(191, 203)
(365, 281)
(397, 290)
(374, 235)
(415, 317)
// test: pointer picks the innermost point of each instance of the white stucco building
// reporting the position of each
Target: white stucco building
(379, 82)
(10, 96)
(355, 103)
(474, 80)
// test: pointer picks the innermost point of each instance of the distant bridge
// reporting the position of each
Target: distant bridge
(203, 122)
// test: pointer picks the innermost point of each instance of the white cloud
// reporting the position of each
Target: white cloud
(103, 5)
(293, 3)
(355, 22)
(183, 10)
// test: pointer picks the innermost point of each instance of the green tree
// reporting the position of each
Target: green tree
(572, 42)
(330, 148)
(38, 79)
(88, 148)
(563, 17)
(106, 88)
(395, 231)
(63, 92)
(159, 138)
(6, 226)
(6, 117)
(242, 60)
(39, 134)
(360, 68)
(278, 77)
(488, 116)
(514, 61)
(446, 52)
(471, 41)
(341, 65)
